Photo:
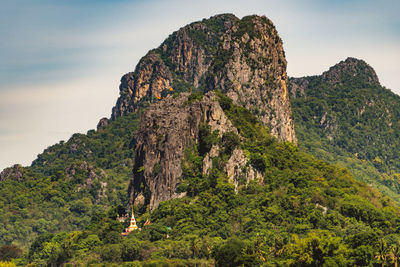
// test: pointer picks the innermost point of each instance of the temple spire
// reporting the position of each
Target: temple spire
(132, 225)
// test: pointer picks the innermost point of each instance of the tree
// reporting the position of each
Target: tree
(8, 253)
(233, 253)
(382, 252)
(111, 253)
(130, 249)
(395, 253)
(316, 249)
(363, 255)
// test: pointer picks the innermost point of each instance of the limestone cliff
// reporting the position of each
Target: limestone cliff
(180, 61)
(251, 68)
(168, 129)
(243, 58)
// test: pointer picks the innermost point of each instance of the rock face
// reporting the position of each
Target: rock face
(167, 129)
(243, 58)
(92, 175)
(251, 69)
(103, 122)
(180, 61)
(238, 168)
(15, 173)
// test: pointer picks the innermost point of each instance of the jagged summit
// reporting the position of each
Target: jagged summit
(243, 58)
(180, 61)
(351, 68)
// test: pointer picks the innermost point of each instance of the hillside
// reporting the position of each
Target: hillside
(345, 116)
(299, 211)
(67, 183)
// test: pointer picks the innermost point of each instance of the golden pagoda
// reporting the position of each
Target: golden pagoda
(132, 225)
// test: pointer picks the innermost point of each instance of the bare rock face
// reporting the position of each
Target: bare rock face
(103, 122)
(251, 69)
(149, 79)
(167, 129)
(207, 161)
(179, 62)
(298, 86)
(92, 176)
(239, 170)
(15, 173)
(243, 58)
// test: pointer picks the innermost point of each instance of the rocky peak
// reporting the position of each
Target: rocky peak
(243, 58)
(180, 62)
(15, 173)
(351, 69)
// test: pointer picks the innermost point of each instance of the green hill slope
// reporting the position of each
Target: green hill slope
(67, 183)
(345, 116)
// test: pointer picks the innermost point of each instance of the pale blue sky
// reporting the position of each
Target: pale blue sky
(61, 61)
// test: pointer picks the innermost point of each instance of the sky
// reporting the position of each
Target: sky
(61, 61)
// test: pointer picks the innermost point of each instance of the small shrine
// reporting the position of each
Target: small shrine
(132, 225)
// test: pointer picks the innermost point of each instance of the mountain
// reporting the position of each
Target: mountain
(243, 58)
(345, 116)
(169, 130)
(201, 145)
(71, 180)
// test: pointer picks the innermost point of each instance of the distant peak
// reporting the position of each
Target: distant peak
(224, 16)
(351, 69)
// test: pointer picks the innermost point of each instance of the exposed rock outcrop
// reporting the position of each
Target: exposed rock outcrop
(243, 58)
(15, 173)
(103, 122)
(88, 177)
(167, 129)
(180, 61)
(298, 86)
(239, 170)
(251, 68)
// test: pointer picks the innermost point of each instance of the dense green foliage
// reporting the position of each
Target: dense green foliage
(8, 253)
(304, 212)
(68, 182)
(354, 124)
